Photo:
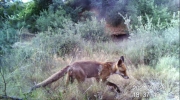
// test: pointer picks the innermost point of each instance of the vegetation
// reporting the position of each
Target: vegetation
(62, 37)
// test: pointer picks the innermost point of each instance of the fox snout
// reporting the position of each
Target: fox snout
(125, 77)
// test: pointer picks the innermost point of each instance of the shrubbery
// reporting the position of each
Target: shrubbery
(92, 30)
(18, 14)
(160, 14)
(157, 41)
(164, 45)
(51, 19)
(65, 40)
(58, 43)
(8, 37)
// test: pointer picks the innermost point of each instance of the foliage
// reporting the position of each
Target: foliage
(70, 37)
(172, 5)
(9, 9)
(159, 43)
(73, 12)
(23, 14)
(8, 37)
(51, 19)
(19, 14)
(163, 47)
(92, 30)
(149, 8)
(41, 5)
(58, 43)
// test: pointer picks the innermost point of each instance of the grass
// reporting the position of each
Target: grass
(158, 83)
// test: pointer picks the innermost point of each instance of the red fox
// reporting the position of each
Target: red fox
(87, 69)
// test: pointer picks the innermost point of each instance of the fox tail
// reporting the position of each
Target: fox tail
(51, 79)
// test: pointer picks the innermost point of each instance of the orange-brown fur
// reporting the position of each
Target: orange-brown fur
(87, 69)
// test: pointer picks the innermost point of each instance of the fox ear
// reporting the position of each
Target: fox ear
(122, 58)
(119, 62)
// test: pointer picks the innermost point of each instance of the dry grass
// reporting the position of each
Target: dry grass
(34, 62)
(145, 82)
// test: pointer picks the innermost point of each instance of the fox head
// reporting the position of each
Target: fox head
(121, 68)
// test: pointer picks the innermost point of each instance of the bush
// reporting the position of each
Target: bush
(18, 13)
(8, 37)
(159, 42)
(58, 43)
(163, 46)
(144, 8)
(72, 11)
(92, 30)
(51, 19)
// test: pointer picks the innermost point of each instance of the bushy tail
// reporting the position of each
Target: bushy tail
(51, 79)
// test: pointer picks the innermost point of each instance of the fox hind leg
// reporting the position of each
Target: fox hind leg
(80, 76)
(70, 77)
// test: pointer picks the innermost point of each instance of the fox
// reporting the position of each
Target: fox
(81, 70)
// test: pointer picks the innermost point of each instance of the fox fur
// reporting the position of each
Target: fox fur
(87, 69)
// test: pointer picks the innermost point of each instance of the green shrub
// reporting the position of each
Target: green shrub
(19, 15)
(144, 8)
(73, 12)
(8, 36)
(92, 30)
(159, 43)
(51, 19)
